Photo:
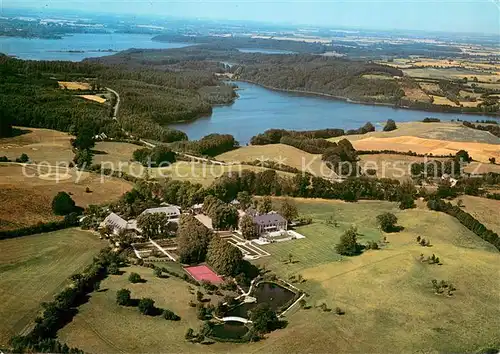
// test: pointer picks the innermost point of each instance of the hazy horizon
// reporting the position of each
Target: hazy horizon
(466, 16)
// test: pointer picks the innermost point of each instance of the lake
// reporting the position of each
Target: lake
(258, 109)
(88, 45)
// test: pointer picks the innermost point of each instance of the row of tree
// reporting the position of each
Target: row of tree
(465, 219)
(42, 338)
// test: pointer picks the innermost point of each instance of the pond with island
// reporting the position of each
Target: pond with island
(278, 297)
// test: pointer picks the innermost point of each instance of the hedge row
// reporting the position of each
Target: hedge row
(408, 153)
(184, 277)
(70, 220)
(59, 312)
(465, 219)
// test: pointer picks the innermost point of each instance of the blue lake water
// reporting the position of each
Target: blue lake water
(90, 44)
(258, 109)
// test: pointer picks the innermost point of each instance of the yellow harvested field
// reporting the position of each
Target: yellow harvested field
(26, 192)
(483, 209)
(439, 100)
(469, 103)
(391, 165)
(450, 131)
(279, 153)
(479, 151)
(74, 85)
(430, 87)
(94, 98)
(481, 168)
(416, 94)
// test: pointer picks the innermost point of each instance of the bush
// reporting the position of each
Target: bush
(390, 125)
(62, 204)
(147, 306)
(387, 221)
(169, 315)
(123, 297)
(23, 158)
(134, 278)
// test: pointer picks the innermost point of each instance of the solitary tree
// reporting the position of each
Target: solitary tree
(245, 200)
(83, 158)
(265, 205)
(84, 139)
(288, 209)
(223, 257)
(248, 228)
(62, 204)
(263, 318)
(348, 245)
(193, 238)
(153, 225)
(387, 221)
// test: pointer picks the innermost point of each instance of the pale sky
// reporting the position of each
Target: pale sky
(480, 16)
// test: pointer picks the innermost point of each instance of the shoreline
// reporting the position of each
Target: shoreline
(348, 100)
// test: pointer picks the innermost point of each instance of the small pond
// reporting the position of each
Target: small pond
(273, 294)
(229, 330)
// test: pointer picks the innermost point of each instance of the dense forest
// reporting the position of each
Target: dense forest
(150, 99)
(300, 72)
(246, 42)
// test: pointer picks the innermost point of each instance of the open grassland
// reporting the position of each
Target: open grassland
(102, 326)
(452, 131)
(107, 152)
(387, 294)
(118, 156)
(74, 85)
(39, 144)
(430, 138)
(34, 268)
(487, 211)
(26, 192)
(203, 173)
(452, 73)
(279, 153)
(392, 165)
(478, 151)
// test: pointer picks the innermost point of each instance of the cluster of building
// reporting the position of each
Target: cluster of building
(264, 222)
(117, 224)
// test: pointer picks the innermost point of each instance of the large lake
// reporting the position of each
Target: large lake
(90, 45)
(258, 109)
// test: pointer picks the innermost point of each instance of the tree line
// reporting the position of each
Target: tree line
(43, 337)
(209, 145)
(465, 219)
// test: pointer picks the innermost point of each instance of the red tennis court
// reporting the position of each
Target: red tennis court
(202, 272)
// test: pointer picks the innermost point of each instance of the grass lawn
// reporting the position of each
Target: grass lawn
(34, 268)
(387, 294)
(102, 326)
